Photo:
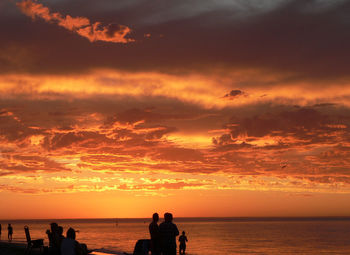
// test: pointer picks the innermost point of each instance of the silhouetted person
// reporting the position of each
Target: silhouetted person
(54, 239)
(182, 240)
(70, 246)
(0, 231)
(60, 236)
(10, 232)
(154, 232)
(168, 232)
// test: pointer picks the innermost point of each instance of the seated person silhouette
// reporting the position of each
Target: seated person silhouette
(70, 246)
(183, 240)
(54, 239)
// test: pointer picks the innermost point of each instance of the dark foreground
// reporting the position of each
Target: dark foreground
(7, 248)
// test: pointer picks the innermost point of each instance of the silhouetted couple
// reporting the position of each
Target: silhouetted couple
(163, 237)
(55, 236)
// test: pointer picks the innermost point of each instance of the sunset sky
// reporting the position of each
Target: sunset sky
(121, 108)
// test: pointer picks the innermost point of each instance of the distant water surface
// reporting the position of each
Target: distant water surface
(212, 236)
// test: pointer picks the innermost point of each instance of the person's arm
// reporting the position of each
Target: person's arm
(186, 238)
(176, 230)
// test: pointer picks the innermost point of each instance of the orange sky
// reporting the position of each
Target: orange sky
(121, 110)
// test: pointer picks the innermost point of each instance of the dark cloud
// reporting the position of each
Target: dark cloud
(307, 125)
(12, 163)
(76, 139)
(134, 115)
(291, 38)
(178, 154)
(234, 94)
(12, 128)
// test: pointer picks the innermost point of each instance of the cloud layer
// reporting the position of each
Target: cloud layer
(280, 147)
(220, 98)
(294, 40)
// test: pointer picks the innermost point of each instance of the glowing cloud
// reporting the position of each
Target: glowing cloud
(80, 25)
(199, 119)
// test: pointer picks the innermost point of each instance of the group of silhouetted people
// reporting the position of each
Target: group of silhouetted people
(9, 232)
(60, 245)
(163, 237)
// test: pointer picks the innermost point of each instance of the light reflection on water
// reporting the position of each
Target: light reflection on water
(208, 236)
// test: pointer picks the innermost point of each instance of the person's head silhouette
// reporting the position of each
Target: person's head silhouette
(168, 217)
(54, 227)
(155, 217)
(183, 233)
(71, 233)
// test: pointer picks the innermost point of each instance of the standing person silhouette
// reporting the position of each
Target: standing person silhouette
(182, 240)
(10, 232)
(168, 232)
(0, 231)
(155, 237)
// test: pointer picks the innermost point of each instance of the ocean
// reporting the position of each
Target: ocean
(207, 235)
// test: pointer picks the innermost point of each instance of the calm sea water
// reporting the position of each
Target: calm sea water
(208, 235)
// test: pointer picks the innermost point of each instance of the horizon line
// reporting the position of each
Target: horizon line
(190, 217)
